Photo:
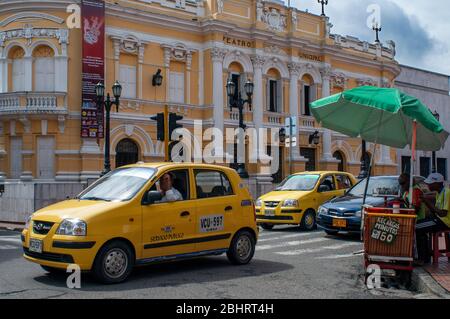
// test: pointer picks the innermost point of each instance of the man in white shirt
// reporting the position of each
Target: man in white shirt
(170, 194)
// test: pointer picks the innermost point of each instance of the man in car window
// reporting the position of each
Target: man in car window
(165, 186)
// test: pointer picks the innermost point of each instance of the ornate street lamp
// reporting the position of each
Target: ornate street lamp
(314, 138)
(238, 102)
(323, 3)
(157, 78)
(107, 104)
(433, 164)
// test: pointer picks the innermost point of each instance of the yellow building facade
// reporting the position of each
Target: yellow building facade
(291, 57)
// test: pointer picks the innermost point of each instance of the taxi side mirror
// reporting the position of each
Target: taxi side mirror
(152, 197)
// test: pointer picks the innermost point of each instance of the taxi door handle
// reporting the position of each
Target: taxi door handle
(185, 214)
(228, 208)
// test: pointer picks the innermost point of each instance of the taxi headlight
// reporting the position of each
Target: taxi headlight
(258, 203)
(290, 203)
(323, 210)
(72, 227)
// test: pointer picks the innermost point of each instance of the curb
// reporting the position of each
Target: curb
(423, 282)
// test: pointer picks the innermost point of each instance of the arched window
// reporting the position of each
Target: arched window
(274, 91)
(44, 69)
(340, 157)
(238, 77)
(308, 94)
(16, 56)
(127, 152)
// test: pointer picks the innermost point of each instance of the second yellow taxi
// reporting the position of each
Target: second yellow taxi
(296, 200)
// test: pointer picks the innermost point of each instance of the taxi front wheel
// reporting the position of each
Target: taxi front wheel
(242, 248)
(114, 262)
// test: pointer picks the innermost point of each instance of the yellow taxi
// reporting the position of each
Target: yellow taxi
(145, 213)
(296, 200)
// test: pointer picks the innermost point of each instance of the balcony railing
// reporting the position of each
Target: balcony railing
(32, 102)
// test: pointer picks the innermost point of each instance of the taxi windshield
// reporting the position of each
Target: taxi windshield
(119, 185)
(303, 182)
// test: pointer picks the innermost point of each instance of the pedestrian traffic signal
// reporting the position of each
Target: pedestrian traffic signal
(159, 118)
(173, 125)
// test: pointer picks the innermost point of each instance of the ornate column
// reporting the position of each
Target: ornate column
(167, 54)
(326, 154)
(258, 105)
(3, 75)
(116, 44)
(2, 153)
(217, 56)
(294, 70)
(141, 50)
(188, 76)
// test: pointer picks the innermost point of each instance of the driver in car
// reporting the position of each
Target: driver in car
(165, 187)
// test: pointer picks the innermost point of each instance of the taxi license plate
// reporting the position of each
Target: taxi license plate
(339, 222)
(36, 245)
(269, 212)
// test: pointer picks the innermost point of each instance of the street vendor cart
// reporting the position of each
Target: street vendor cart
(389, 238)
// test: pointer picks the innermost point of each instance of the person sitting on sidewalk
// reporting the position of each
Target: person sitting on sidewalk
(439, 218)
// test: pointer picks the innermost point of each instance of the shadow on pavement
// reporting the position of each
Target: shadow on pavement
(173, 274)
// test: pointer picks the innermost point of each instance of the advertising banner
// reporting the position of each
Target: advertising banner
(93, 66)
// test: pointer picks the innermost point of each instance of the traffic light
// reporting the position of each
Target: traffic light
(173, 125)
(159, 118)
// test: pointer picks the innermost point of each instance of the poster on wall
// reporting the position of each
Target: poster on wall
(93, 66)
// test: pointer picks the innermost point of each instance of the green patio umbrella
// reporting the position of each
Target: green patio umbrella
(382, 116)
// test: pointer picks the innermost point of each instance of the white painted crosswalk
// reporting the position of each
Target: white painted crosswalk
(291, 243)
(10, 242)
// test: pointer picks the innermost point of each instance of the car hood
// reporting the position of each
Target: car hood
(278, 196)
(348, 202)
(82, 209)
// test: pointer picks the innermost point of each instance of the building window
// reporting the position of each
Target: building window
(274, 95)
(127, 152)
(44, 69)
(310, 155)
(18, 69)
(16, 157)
(341, 165)
(176, 87)
(442, 167)
(127, 79)
(406, 164)
(307, 100)
(46, 157)
(425, 166)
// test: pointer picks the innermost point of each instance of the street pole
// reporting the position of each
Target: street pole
(291, 132)
(107, 160)
(363, 171)
(166, 133)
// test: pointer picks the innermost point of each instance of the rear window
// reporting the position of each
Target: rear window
(211, 183)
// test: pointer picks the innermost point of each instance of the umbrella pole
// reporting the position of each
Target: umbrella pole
(413, 164)
(366, 188)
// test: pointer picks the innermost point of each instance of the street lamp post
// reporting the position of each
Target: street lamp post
(433, 155)
(107, 104)
(238, 102)
(323, 3)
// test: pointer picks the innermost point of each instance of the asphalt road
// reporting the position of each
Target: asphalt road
(288, 263)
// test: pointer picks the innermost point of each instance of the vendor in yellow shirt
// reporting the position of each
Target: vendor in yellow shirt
(439, 218)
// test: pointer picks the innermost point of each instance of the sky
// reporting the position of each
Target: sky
(420, 28)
